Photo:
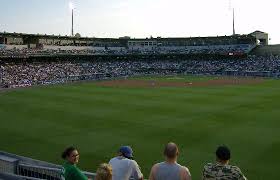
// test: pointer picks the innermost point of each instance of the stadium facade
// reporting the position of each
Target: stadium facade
(224, 45)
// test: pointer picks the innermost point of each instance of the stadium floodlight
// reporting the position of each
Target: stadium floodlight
(233, 22)
(231, 8)
(72, 7)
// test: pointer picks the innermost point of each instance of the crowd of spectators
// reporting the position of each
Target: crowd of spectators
(250, 64)
(27, 74)
(20, 75)
(124, 167)
(27, 52)
(237, 49)
(203, 49)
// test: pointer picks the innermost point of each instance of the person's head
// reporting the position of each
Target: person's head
(126, 151)
(223, 154)
(171, 151)
(104, 172)
(71, 155)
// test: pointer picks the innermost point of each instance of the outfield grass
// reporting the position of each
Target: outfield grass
(40, 122)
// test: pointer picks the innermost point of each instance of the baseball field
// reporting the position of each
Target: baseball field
(197, 113)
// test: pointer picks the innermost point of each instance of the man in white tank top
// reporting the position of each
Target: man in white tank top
(170, 169)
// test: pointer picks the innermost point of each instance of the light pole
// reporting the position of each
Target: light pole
(231, 8)
(72, 22)
(72, 10)
(233, 23)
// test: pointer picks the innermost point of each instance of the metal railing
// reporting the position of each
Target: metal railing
(19, 167)
(44, 172)
(8, 176)
(8, 164)
(39, 172)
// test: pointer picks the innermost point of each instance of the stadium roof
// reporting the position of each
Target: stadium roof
(257, 31)
(94, 38)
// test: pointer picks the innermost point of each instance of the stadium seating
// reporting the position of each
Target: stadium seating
(225, 45)
(23, 74)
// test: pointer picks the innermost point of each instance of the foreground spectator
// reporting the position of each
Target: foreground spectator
(104, 172)
(70, 170)
(221, 169)
(124, 167)
(170, 169)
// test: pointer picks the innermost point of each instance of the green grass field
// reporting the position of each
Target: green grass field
(40, 122)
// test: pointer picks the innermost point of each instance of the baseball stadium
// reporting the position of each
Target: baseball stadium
(183, 107)
(101, 93)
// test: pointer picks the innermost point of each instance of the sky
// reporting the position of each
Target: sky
(141, 18)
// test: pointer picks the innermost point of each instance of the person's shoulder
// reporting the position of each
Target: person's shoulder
(113, 159)
(155, 167)
(185, 172)
(235, 169)
(208, 166)
(185, 168)
(68, 166)
(157, 164)
(132, 162)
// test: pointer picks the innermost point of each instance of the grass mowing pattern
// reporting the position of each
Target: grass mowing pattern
(40, 122)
